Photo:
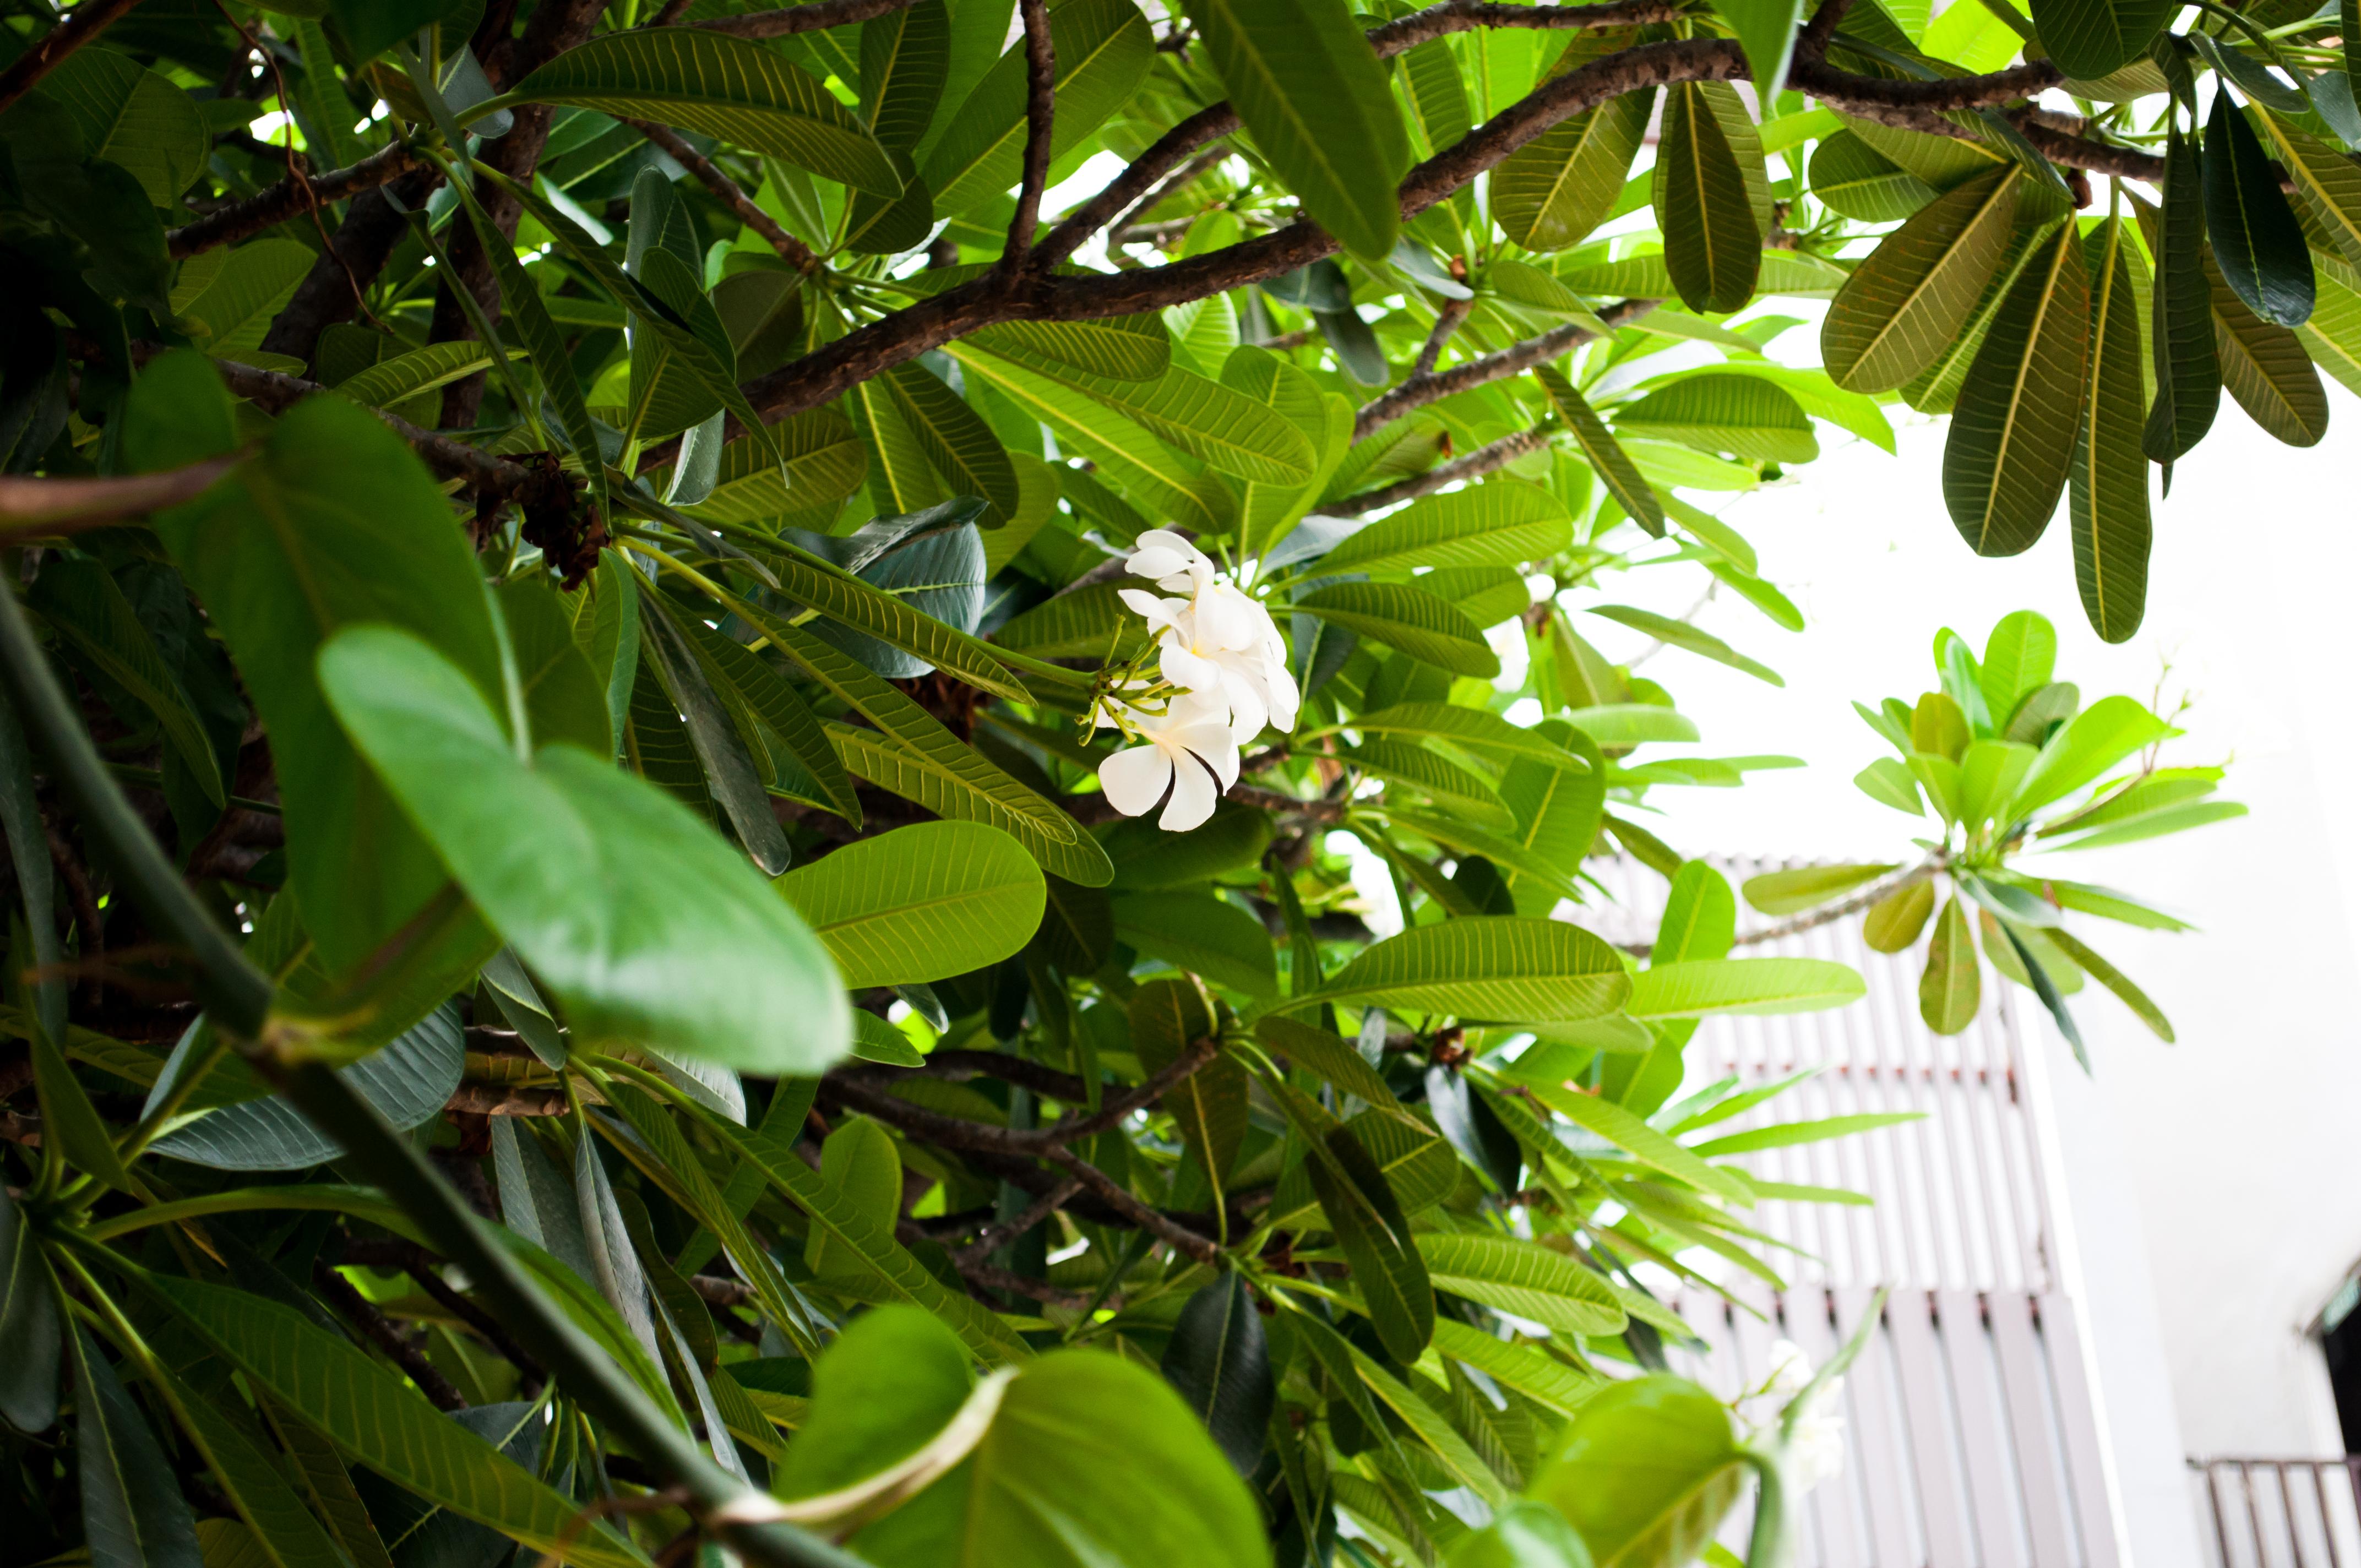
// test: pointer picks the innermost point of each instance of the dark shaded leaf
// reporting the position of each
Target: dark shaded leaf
(1220, 1361)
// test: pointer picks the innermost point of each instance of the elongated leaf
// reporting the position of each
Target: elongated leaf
(1742, 416)
(614, 922)
(921, 902)
(1220, 427)
(2266, 369)
(1103, 49)
(1647, 1472)
(1502, 522)
(1712, 242)
(1681, 634)
(2255, 238)
(2115, 980)
(1624, 724)
(1909, 298)
(2107, 498)
(1326, 1056)
(1318, 104)
(1474, 728)
(1490, 966)
(1201, 934)
(368, 1409)
(1952, 985)
(904, 60)
(1808, 887)
(1854, 178)
(2090, 39)
(1550, 192)
(1370, 1228)
(29, 1339)
(1518, 1366)
(769, 715)
(1635, 1137)
(892, 620)
(132, 1514)
(407, 1082)
(1220, 1361)
(284, 1532)
(722, 751)
(698, 80)
(1766, 31)
(1416, 622)
(1695, 989)
(2012, 437)
(2188, 372)
(1524, 1279)
(1607, 457)
(964, 452)
(88, 611)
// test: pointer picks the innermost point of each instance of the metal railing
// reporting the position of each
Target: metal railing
(2280, 1513)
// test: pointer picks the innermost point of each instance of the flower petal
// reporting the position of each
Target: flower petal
(1213, 744)
(1134, 780)
(1192, 799)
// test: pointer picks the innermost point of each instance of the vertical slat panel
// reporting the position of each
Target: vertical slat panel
(1919, 1361)
(1884, 1446)
(2040, 1467)
(1984, 1446)
(2077, 1414)
(1835, 1505)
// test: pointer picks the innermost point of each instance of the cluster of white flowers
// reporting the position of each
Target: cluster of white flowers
(1816, 1447)
(1223, 676)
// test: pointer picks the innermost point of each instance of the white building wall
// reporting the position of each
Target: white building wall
(2213, 1180)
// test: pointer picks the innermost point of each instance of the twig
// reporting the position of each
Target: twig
(30, 508)
(52, 48)
(501, 1100)
(1483, 460)
(1041, 1290)
(1040, 124)
(993, 1237)
(786, 19)
(381, 1333)
(708, 174)
(1426, 386)
(1430, 353)
(1198, 1249)
(1125, 191)
(1876, 893)
(276, 204)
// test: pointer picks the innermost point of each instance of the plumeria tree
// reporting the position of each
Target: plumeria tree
(700, 698)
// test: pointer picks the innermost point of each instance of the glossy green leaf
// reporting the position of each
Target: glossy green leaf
(1695, 989)
(1741, 416)
(1808, 887)
(2090, 39)
(1370, 1228)
(2115, 980)
(2265, 367)
(1203, 933)
(1523, 1277)
(1681, 634)
(1317, 102)
(132, 1512)
(1549, 194)
(2011, 445)
(1647, 1473)
(695, 80)
(921, 902)
(1492, 967)
(2256, 239)
(1606, 456)
(1219, 1359)
(29, 1339)
(1952, 985)
(1502, 522)
(1398, 616)
(1850, 177)
(614, 922)
(2107, 495)
(1911, 296)
(2188, 371)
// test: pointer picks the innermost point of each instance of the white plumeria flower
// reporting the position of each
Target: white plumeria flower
(1188, 746)
(1217, 641)
(1814, 1450)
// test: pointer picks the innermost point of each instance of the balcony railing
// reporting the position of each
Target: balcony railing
(2280, 1513)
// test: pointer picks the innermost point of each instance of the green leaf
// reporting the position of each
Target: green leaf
(2107, 498)
(1487, 967)
(921, 902)
(825, 463)
(1744, 416)
(893, 619)
(696, 80)
(28, 1326)
(1704, 986)
(1889, 783)
(1790, 1134)
(2266, 369)
(1894, 922)
(1203, 934)
(1550, 193)
(408, 1082)
(1634, 1137)
(1376, 1237)
(1765, 29)
(1219, 1360)
(1605, 454)
(1324, 1056)
(1223, 428)
(1953, 984)
(1474, 728)
(1910, 297)
(2115, 980)
(2256, 241)
(892, 1380)
(134, 117)
(1520, 1366)
(1104, 51)
(1632, 724)
(132, 1514)
(1558, 814)
(2090, 39)
(284, 1532)
(904, 60)
(1647, 1472)
(1523, 1277)
(1401, 617)
(1808, 887)
(1681, 634)
(2188, 373)
(331, 524)
(1713, 243)
(862, 1167)
(366, 1409)
(616, 896)
(2154, 824)
(1318, 105)
(1502, 522)
(2101, 736)
(1430, 774)
(1154, 1477)
(721, 750)
(71, 1120)
(1854, 179)
(1525, 1534)
(962, 447)
(2012, 437)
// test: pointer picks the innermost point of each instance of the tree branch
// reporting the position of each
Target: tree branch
(381, 1333)
(1876, 893)
(1483, 460)
(993, 1237)
(1420, 389)
(362, 245)
(1467, 16)
(32, 507)
(277, 204)
(710, 175)
(86, 23)
(1040, 124)
(1430, 353)
(1200, 1249)
(274, 392)
(788, 19)
(1130, 191)
(958, 1132)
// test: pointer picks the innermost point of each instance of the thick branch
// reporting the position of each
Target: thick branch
(1040, 124)
(277, 204)
(1140, 185)
(2055, 142)
(273, 393)
(710, 175)
(357, 253)
(31, 507)
(958, 1132)
(1482, 461)
(788, 19)
(1420, 389)
(1430, 353)
(961, 1065)
(1200, 1249)
(86, 23)
(1467, 16)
